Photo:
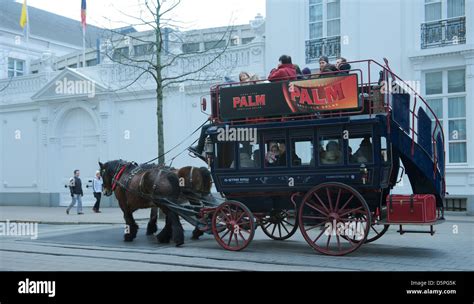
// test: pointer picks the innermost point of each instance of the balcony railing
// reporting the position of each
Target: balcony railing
(444, 32)
(316, 48)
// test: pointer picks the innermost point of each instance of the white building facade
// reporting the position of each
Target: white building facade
(65, 117)
(427, 42)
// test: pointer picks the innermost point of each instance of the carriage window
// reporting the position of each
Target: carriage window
(302, 152)
(225, 155)
(360, 149)
(330, 150)
(249, 155)
(275, 153)
(385, 151)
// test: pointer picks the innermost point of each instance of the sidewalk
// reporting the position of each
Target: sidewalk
(57, 215)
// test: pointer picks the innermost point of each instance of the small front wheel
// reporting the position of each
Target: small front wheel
(233, 225)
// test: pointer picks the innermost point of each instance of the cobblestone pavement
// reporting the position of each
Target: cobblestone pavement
(100, 247)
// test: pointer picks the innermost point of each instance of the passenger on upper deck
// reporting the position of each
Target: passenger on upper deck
(325, 67)
(285, 71)
(245, 78)
(342, 65)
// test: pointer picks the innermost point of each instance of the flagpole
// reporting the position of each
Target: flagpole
(83, 46)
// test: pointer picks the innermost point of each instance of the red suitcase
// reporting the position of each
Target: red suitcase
(416, 208)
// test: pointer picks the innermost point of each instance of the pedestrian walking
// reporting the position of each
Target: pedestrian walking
(75, 186)
(97, 189)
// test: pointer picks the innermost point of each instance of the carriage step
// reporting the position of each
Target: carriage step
(401, 231)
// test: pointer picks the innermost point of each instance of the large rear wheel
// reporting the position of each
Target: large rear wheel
(334, 219)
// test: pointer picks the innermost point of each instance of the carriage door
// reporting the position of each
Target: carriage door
(78, 149)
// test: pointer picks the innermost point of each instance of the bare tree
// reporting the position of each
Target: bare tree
(160, 60)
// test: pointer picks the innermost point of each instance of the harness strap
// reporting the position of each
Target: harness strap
(117, 176)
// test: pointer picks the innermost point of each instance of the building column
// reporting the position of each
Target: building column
(469, 59)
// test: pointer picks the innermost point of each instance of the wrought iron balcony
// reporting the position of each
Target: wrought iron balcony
(316, 48)
(444, 32)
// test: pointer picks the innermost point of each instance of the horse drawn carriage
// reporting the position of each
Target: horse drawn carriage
(324, 157)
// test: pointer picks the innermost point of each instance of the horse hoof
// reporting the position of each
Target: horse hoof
(196, 234)
(128, 238)
(151, 229)
(178, 244)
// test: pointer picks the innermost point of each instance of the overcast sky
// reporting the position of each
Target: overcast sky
(194, 13)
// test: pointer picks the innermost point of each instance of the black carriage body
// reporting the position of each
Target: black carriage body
(265, 187)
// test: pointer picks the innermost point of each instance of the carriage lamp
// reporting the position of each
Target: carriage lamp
(208, 147)
(365, 173)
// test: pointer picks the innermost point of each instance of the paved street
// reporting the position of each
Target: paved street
(96, 244)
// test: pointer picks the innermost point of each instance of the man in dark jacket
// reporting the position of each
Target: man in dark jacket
(342, 66)
(75, 186)
(325, 68)
(285, 70)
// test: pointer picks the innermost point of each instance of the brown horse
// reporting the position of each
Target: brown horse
(137, 187)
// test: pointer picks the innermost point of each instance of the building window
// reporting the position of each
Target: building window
(315, 19)
(445, 23)
(191, 47)
(247, 40)
(121, 54)
(455, 204)
(16, 67)
(446, 96)
(333, 26)
(91, 62)
(143, 49)
(218, 44)
(324, 30)
(432, 10)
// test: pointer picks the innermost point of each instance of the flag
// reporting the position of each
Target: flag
(83, 14)
(24, 15)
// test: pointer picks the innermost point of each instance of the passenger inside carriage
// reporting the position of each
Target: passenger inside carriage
(332, 154)
(363, 153)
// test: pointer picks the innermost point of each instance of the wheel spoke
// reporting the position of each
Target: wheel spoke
(227, 231)
(317, 238)
(347, 202)
(279, 229)
(284, 227)
(291, 224)
(230, 238)
(312, 227)
(338, 199)
(309, 204)
(273, 231)
(329, 240)
(329, 198)
(350, 210)
(321, 202)
(338, 242)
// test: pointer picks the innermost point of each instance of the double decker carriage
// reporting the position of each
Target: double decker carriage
(323, 154)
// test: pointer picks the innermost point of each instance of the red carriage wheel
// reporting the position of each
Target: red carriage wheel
(332, 216)
(280, 224)
(233, 225)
